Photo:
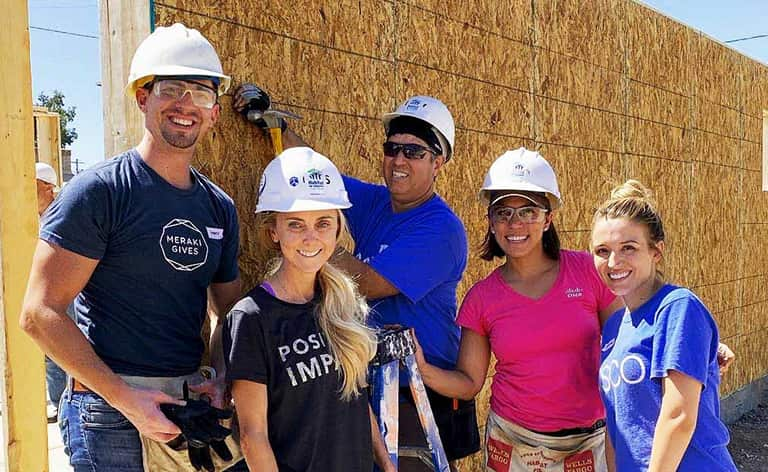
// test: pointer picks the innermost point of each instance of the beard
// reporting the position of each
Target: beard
(179, 140)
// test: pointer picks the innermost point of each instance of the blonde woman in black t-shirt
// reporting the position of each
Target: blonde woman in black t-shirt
(297, 346)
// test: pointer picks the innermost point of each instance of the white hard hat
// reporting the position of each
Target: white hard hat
(46, 173)
(175, 51)
(432, 111)
(300, 179)
(521, 170)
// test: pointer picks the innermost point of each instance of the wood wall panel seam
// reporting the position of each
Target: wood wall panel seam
(489, 133)
(724, 105)
(325, 110)
(473, 26)
(725, 282)
(715, 133)
(576, 146)
(656, 122)
(658, 158)
(275, 33)
(658, 87)
(718, 164)
(462, 76)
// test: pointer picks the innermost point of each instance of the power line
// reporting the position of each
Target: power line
(64, 32)
(745, 39)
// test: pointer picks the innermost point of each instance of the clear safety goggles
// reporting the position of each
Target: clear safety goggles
(201, 95)
(526, 214)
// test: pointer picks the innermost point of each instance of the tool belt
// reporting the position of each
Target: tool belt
(160, 457)
(172, 386)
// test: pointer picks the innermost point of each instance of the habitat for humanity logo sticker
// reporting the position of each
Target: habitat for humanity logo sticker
(519, 170)
(414, 104)
(316, 179)
(183, 245)
(313, 179)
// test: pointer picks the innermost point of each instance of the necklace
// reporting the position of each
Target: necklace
(286, 295)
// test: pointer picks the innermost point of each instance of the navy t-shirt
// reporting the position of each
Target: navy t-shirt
(671, 331)
(423, 253)
(158, 247)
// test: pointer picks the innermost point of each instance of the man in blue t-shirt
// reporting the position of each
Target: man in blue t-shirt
(145, 243)
(410, 253)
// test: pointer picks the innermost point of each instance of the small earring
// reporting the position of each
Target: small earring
(493, 231)
(546, 228)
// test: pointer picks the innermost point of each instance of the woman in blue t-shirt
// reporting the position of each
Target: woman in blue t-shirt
(659, 372)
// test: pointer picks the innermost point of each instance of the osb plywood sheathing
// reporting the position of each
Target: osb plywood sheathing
(606, 89)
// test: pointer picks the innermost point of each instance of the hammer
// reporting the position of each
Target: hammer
(255, 105)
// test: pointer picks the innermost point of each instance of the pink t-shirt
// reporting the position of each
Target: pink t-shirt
(548, 350)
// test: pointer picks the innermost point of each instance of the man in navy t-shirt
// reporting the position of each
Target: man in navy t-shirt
(410, 254)
(145, 243)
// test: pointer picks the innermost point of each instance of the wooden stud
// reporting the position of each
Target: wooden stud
(124, 24)
(23, 406)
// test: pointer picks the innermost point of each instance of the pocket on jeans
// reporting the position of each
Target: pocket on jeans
(64, 429)
(103, 416)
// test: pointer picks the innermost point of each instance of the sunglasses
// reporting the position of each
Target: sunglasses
(410, 151)
(202, 96)
(526, 214)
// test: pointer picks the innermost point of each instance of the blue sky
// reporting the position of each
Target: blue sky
(72, 64)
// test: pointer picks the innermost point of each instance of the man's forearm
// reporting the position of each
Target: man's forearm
(291, 139)
(61, 340)
(216, 347)
(370, 284)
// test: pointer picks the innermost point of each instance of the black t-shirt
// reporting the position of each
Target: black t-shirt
(279, 344)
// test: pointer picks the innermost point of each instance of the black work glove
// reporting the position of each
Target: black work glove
(199, 425)
(251, 102)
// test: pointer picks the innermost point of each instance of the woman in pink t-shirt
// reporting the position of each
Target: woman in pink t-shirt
(539, 314)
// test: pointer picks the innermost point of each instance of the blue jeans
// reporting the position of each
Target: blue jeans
(55, 381)
(98, 438)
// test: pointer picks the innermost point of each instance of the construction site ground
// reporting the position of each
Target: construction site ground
(749, 441)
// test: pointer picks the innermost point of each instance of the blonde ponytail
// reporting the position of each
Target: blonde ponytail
(341, 315)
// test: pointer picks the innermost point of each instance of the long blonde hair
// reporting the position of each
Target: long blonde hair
(341, 313)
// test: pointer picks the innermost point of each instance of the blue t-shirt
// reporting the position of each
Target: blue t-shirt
(159, 248)
(423, 253)
(671, 331)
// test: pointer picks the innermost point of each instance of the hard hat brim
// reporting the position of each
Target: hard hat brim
(300, 205)
(554, 200)
(388, 117)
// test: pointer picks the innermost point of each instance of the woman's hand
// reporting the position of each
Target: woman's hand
(725, 357)
(421, 361)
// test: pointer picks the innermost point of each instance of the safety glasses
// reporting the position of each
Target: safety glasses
(526, 214)
(202, 96)
(410, 151)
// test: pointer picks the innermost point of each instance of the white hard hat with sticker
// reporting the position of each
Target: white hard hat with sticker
(521, 170)
(175, 51)
(433, 112)
(300, 179)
